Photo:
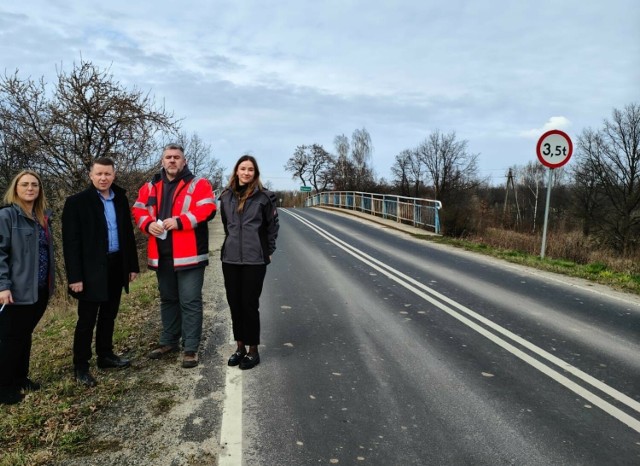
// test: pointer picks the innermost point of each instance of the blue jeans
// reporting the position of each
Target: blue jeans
(180, 305)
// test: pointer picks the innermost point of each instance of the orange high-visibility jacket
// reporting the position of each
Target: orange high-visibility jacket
(193, 206)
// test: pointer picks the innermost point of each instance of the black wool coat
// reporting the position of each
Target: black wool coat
(85, 242)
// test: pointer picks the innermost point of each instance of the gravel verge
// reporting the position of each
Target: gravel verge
(176, 421)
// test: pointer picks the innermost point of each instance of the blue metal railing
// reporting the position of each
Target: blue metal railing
(421, 213)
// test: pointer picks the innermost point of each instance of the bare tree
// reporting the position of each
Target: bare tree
(588, 199)
(611, 156)
(401, 171)
(416, 171)
(86, 115)
(453, 173)
(532, 177)
(342, 146)
(13, 157)
(298, 164)
(201, 161)
(312, 164)
(361, 149)
(408, 171)
(448, 164)
(342, 169)
(320, 168)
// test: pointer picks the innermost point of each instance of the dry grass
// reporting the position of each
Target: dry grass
(573, 246)
(567, 253)
(56, 421)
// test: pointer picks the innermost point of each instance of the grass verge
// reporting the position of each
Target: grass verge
(56, 421)
(597, 271)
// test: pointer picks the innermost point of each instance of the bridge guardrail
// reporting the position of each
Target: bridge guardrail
(415, 211)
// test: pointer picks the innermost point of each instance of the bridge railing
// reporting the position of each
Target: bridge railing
(421, 213)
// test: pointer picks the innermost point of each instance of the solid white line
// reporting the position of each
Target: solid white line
(231, 425)
(402, 279)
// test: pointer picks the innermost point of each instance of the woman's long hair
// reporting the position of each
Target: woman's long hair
(234, 183)
(39, 205)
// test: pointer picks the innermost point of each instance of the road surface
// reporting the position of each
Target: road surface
(381, 349)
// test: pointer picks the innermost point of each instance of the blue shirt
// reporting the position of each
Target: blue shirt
(112, 224)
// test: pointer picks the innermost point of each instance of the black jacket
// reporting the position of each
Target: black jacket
(85, 242)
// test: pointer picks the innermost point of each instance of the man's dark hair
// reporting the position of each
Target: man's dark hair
(103, 161)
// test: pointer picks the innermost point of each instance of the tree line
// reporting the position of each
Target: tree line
(598, 193)
(85, 113)
(59, 129)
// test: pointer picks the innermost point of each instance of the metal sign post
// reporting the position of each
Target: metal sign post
(554, 149)
(546, 215)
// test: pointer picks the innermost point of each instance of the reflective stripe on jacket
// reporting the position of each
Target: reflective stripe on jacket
(193, 205)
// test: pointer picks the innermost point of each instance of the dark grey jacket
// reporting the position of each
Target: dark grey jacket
(250, 236)
(19, 259)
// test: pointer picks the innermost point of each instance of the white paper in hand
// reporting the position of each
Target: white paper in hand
(164, 233)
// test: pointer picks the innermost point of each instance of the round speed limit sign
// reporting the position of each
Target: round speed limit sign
(554, 148)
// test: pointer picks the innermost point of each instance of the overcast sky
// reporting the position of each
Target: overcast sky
(266, 76)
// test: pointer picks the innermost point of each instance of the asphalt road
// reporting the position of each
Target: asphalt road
(380, 349)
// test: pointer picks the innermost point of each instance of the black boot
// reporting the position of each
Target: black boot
(27, 384)
(84, 377)
(10, 395)
(106, 362)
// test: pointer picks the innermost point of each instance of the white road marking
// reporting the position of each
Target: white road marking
(420, 289)
(231, 425)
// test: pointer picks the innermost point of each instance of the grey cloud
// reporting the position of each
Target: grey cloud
(9, 21)
(219, 62)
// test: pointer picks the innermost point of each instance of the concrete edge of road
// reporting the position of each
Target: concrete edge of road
(382, 221)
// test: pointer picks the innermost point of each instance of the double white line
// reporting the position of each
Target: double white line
(498, 335)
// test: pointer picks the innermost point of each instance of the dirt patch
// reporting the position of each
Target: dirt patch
(175, 419)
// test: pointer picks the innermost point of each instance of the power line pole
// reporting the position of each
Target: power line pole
(511, 183)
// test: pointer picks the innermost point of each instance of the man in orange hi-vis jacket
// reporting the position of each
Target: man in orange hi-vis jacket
(173, 210)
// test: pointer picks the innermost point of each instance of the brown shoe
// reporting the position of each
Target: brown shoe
(189, 359)
(161, 351)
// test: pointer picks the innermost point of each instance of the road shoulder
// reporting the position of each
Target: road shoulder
(177, 421)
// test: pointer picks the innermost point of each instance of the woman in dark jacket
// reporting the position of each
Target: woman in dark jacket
(26, 279)
(250, 221)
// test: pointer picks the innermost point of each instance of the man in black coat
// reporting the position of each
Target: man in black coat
(101, 259)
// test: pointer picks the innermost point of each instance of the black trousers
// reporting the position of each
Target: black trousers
(104, 313)
(243, 284)
(17, 323)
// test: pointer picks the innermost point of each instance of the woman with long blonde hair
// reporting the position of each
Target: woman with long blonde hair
(26, 279)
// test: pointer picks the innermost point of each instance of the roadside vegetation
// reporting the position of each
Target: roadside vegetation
(565, 254)
(57, 420)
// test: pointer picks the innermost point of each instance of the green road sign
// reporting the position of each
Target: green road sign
(305, 189)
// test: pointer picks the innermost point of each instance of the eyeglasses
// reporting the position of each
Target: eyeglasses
(26, 185)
